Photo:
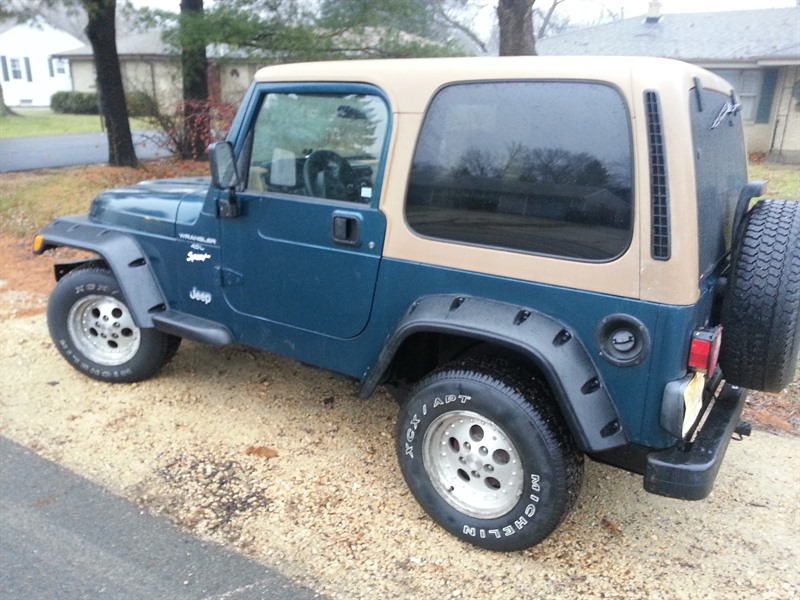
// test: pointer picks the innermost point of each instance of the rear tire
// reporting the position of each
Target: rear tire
(761, 308)
(94, 330)
(486, 454)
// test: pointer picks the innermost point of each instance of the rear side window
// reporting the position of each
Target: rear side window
(543, 167)
(720, 170)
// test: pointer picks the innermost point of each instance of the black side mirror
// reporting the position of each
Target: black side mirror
(225, 177)
(223, 166)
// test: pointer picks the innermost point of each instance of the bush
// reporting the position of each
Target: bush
(141, 104)
(74, 103)
(191, 126)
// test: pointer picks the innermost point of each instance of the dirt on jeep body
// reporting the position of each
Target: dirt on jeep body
(286, 464)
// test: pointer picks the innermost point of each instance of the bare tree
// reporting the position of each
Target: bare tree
(546, 19)
(516, 25)
(101, 31)
(4, 110)
(194, 69)
(515, 18)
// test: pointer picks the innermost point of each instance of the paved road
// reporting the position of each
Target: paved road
(26, 154)
(63, 537)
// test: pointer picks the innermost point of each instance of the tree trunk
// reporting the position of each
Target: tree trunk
(102, 35)
(4, 110)
(515, 19)
(194, 68)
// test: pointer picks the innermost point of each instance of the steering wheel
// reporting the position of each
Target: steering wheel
(328, 175)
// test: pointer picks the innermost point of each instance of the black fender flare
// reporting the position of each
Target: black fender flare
(121, 253)
(563, 360)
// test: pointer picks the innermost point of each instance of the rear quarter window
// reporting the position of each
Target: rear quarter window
(720, 171)
(541, 167)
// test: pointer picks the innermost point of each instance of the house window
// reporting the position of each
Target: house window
(747, 83)
(57, 67)
(16, 69)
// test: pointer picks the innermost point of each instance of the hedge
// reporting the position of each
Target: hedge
(140, 104)
(74, 103)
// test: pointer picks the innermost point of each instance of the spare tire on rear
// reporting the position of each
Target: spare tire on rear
(761, 307)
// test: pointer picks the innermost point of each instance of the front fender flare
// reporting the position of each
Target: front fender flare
(563, 360)
(121, 253)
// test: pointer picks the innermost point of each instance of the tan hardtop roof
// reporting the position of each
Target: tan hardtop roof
(410, 82)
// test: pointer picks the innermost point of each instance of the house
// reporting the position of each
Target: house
(150, 65)
(758, 51)
(29, 72)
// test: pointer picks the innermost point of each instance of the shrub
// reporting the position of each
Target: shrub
(141, 104)
(191, 126)
(74, 103)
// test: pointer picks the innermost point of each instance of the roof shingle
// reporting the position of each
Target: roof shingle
(735, 36)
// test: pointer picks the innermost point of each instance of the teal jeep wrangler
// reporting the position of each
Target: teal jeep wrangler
(541, 258)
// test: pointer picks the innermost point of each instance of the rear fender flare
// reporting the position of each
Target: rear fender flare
(558, 353)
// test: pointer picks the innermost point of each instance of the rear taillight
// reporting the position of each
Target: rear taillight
(704, 350)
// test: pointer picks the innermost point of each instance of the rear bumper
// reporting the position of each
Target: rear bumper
(688, 473)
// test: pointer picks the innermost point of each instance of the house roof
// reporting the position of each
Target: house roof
(140, 45)
(770, 36)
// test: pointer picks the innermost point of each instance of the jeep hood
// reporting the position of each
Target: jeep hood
(150, 206)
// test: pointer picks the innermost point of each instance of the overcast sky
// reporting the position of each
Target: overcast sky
(585, 10)
(577, 8)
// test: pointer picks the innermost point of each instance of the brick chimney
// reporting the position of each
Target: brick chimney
(654, 12)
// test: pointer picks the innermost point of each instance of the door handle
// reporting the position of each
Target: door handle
(346, 229)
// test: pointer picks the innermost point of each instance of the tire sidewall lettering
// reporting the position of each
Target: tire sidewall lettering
(438, 402)
(418, 415)
(91, 281)
(91, 369)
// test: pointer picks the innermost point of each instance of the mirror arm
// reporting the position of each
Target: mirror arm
(228, 206)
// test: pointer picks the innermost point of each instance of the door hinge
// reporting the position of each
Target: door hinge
(229, 277)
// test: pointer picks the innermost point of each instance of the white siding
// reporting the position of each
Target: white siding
(27, 73)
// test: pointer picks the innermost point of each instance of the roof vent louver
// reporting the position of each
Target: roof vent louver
(659, 194)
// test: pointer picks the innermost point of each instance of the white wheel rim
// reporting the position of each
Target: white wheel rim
(102, 329)
(472, 464)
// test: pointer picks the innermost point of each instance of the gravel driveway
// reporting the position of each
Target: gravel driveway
(285, 464)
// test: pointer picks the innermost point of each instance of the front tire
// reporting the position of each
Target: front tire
(487, 456)
(94, 330)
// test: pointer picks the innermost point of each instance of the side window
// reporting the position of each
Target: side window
(320, 145)
(720, 171)
(540, 167)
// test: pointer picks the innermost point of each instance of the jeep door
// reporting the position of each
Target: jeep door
(306, 248)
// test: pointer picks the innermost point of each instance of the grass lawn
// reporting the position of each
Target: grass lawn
(31, 199)
(783, 181)
(35, 122)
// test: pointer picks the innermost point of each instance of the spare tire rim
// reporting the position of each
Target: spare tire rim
(473, 464)
(102, 329)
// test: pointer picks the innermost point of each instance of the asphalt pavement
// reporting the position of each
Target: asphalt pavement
(64, 537)
(26, 154)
